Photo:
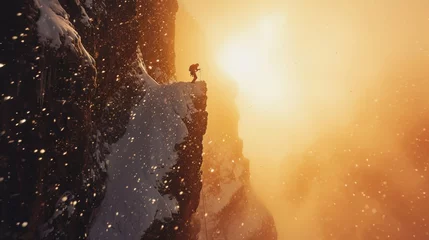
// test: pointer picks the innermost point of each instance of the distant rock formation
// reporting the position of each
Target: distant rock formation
(229, 208)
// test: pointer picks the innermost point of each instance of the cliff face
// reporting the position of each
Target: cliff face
(70, 83)
(154, 170)
(51, 177)
(158, 37)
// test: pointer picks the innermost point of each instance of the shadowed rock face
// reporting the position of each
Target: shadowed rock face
(47, 148)
(158, 21)
(71, 73)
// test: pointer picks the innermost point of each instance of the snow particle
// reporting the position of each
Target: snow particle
(19, 14)
(42, 151)
(24, 224)
(2, 65)
(64, 198)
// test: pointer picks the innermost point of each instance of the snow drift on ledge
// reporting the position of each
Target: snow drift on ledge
(141, 159)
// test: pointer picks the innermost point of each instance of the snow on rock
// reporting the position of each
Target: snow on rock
(86, 20)
(64, 206)
(139, 70)
(142, 158)
(88, 3)
(56, 30)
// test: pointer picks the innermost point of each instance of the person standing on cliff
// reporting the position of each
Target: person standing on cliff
(193, 69)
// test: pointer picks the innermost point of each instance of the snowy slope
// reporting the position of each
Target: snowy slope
(141, 159)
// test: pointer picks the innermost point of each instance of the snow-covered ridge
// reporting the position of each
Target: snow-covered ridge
(142, 158)
(56, 30)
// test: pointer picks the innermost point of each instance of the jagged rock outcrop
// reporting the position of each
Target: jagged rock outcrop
(154, 170)
(69, 82)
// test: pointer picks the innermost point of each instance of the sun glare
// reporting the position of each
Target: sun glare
(248, 58)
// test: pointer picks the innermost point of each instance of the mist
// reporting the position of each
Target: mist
(350, 160)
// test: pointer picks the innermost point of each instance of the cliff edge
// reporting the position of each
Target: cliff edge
(154, 170)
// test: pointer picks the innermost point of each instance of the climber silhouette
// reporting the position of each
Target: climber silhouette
(193, 69)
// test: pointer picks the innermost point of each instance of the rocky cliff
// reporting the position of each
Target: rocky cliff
(154, 170)
(159, 47)
(73, 83)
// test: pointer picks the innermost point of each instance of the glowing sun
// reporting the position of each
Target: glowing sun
(251, 60)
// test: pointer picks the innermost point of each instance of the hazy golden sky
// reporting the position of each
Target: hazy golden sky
(324, 53)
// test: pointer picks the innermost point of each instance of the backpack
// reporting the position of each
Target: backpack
(193, 67)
